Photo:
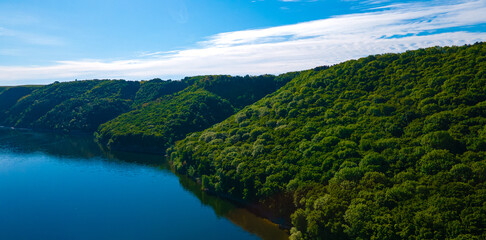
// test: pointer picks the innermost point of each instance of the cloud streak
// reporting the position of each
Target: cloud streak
(286, 48)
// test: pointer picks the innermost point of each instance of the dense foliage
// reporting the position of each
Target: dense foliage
(242, 91)
(78, 105)
(159, 123)
(390, 146)
(10, 95)
(85, 105)
(156, 88)
(207, 100)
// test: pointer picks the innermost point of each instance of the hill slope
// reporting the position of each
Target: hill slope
(157, 112)
(10, 95)
(390, 146)
(207, 100)
(71, 106)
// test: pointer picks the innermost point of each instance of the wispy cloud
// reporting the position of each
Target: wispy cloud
(285, 48)
(156, 54)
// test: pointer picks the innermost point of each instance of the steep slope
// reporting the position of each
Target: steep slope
(207, 100)
(390, 146)
(160, 122)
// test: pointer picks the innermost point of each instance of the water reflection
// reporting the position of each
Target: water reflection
(239, 216)
(82, 148)
(59, 145)
(74, 147)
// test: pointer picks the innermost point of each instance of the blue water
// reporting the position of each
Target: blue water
(66, 187)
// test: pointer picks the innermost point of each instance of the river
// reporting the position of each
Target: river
(55, 186)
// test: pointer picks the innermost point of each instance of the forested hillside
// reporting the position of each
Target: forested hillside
(208, 100)
(71, 106)
(157, 112)
(389, 146)
(156, 88)
(10, 95)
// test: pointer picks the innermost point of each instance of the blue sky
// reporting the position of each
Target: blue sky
(46, 41)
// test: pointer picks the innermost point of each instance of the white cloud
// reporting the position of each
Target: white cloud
(285, 48)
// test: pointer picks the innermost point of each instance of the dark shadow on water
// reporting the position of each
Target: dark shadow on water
(240, 216)
(81, 147)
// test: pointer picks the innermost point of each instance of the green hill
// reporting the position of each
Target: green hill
(157, 112)
(71, 106)
(79, 105)
(207, 100)
(389, 146)
(10, 95)
(157, 88)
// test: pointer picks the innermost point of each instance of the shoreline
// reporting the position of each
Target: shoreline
(256, 208)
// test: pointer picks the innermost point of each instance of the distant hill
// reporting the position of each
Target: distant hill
(157, 112)
(71, 106)
(10, 95)
(207, 100)
(389, 146)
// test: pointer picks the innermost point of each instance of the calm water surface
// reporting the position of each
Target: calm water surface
(64, 187)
